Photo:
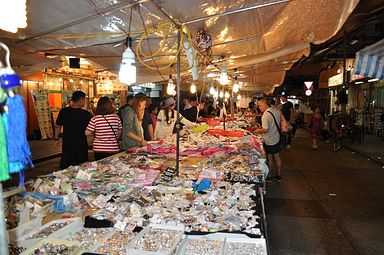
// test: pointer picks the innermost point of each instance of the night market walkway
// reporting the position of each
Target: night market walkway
(328, 203)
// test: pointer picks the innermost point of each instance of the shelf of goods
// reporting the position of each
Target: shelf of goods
(136, 201)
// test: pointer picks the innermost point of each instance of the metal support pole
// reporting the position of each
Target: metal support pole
(3, 229)
(178, 104)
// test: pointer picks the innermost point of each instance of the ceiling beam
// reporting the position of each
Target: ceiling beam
(257, 6)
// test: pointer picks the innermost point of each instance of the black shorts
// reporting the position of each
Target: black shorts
(73, 158)
(272, 149)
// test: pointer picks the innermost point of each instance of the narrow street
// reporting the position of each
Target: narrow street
(328, 203)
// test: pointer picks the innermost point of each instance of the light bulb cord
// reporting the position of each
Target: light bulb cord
(7, 54)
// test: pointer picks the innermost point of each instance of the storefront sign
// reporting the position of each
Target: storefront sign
(335, 80)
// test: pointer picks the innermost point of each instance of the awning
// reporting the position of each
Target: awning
(370, 61)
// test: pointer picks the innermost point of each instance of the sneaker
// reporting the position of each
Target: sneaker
(314, 147)
(288, 146)
(269, 179)
(278, 178)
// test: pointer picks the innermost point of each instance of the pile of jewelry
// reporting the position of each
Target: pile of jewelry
(54, 249)
(244, 248)
(116, 244)
(158, 240)
(14, 250)
(89, 237)
(203, 246)
(43, 233)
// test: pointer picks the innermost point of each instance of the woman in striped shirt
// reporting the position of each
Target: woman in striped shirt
(106, 126)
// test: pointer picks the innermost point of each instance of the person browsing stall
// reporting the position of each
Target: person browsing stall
(74, 120)
(132, 135)
(106, 126)
(271, 136)
(166, 120)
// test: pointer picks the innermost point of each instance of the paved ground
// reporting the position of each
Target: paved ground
(328, 203)
(371, 147)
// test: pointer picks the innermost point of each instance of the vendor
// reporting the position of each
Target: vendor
(166, 120)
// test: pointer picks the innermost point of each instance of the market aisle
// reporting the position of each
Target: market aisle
(328, 203)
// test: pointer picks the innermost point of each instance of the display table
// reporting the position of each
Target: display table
(218, 189)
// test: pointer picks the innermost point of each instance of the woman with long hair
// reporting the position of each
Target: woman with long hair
(106, 126)
(132, 123)
(166, 120)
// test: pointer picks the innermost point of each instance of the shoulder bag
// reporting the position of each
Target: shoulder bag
(117, 139)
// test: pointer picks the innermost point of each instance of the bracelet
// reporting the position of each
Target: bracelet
(56, 139)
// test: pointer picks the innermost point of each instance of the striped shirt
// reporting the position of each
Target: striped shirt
(105, 138)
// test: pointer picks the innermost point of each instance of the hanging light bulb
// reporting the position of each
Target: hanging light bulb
(171, 86)
(226, 95)
(13, 15)
(212, 90)
(215, 93)
(224, 77)
(221, 94)
(127, 73)
(238, 97)
(193, 88)
(235, 87)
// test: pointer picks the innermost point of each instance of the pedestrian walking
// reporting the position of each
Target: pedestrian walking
(74, 120)
(316, 127)
(270, 131)
(287, 110)
(106, 127)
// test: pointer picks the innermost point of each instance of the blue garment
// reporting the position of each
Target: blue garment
(15, 122)
(58, 204)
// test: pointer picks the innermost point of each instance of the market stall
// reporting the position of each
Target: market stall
(137, 201)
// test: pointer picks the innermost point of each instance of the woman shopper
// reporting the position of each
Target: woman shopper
(106, 126)
(132, 123)
(153, 110)
(315, 126)
(166, 120)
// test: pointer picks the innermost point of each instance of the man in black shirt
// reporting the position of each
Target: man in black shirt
(74, 120)
(147, 125)
(191, 113)
(287, 110)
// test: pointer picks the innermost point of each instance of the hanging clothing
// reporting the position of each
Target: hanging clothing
(15, 122)
(4, 172)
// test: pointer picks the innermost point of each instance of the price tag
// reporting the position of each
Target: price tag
(120, 225)
(83, 175)
(100, 201)
(57, 183)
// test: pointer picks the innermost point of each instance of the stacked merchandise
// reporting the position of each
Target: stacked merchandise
(143, 205)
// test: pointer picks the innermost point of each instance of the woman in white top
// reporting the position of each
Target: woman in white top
(166, 120)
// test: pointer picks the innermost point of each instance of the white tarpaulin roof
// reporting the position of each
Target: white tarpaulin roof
(262, 39)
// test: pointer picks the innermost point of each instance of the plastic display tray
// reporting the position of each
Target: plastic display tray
(23, 229)
(74, 224)
(260, 242)
(179, 236)
(183, 249)
(31, 249)
(100, 238)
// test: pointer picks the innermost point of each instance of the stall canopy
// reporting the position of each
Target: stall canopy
(261, 39)
(370, 61)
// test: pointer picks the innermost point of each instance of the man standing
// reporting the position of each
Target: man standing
(271, 136)
(74, 120)
(288, 113)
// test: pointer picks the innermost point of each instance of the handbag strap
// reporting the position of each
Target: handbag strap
(277, 126)
(117, 139)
